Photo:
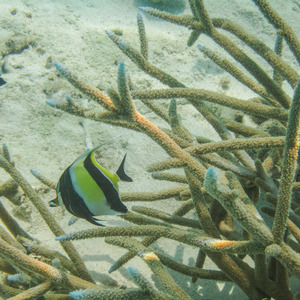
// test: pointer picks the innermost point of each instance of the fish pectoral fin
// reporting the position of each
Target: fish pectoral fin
(121, 172)
(54, 202)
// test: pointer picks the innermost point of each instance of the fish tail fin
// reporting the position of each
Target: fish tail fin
(2, 81)
(121, 172)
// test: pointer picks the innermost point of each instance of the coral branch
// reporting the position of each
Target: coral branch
(149, 230)
(87, 89)
(40, 270)
(249, 143)
(164, 278)
(279, 23)
(116, 294)
(166, 217)
(36, 291)
(11, 224)
(235, 72)
(142, 35)
(252, 108)
(288, 168)
(154, 196)
(249, 218)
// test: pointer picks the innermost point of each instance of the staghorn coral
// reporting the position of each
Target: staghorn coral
(230, 185)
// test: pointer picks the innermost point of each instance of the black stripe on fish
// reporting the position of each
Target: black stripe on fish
(105, 184)
(72, 200)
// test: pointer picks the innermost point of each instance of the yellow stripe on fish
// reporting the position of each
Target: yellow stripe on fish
(86, 189)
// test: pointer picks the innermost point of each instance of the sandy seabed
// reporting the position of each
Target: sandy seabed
(40, 137)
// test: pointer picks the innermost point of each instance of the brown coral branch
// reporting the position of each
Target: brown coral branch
(169, 177)
(9, 239)
(260, 48)
(288, 168)
(87, 89)
(11, 224)
(137, 247)
(252, 41)
(6, 267)
(287, 32)
(240, 56)
(142, 36)
(248, 143)
(40, 270)
(152, 196)
(248, 216)
(236, 73)
(40, 250)
(243, 129)
(154, 213)
(248, 107)
(36, 291)
(147, 241)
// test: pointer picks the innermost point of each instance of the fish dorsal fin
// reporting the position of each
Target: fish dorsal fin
(91, 151)
(104, 143)
(121, 172)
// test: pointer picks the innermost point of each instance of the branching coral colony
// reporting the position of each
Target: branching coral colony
(225, 181)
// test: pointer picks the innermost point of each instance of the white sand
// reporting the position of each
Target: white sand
(40, 137)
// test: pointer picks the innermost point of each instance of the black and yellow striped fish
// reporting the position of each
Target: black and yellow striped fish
(86, 189)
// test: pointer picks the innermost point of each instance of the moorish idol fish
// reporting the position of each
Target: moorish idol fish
(2, 81)
(86, 189)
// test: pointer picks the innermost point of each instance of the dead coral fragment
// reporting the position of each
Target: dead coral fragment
(16, 44)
